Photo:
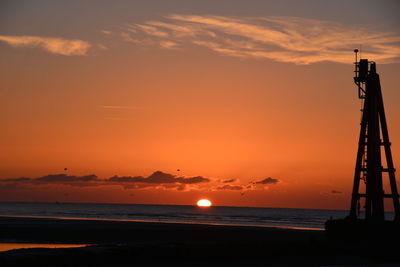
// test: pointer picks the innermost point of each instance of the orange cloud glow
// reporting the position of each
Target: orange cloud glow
(52, 45)
(283, 39)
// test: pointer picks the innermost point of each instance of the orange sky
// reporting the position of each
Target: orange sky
(221, 94)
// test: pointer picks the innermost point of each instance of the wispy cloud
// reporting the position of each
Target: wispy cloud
(117, 118)
(119, 107)
(150, 30)
(52, 45)
(106, 32)
(118, 112)
(168, 44)
(283, 39)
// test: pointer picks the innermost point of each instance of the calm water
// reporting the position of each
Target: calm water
(302, 218)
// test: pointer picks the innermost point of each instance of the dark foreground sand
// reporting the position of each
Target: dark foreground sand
(126, 243)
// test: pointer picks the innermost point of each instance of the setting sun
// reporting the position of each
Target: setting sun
(204, 203)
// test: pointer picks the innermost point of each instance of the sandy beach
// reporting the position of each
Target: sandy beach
(113, 243)
(92, 231)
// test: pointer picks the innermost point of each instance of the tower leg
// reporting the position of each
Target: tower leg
(357, 173)
(374, 165)
(389, 158)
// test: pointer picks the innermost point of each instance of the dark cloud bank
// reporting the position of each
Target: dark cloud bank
(159, 177)
(268, 180)
(230, 187)
(156, 178)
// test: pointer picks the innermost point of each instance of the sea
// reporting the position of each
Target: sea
(217, 215)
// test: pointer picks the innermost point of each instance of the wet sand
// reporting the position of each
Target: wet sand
(12, 246)
(176, 244)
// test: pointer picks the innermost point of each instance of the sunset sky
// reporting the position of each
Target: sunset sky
(244, 102)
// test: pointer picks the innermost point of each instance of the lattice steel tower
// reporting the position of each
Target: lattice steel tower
(373, 136)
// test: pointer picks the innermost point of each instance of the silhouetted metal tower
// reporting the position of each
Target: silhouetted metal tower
(373, 136)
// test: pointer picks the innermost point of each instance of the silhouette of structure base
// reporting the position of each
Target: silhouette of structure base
(361, 229)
